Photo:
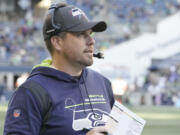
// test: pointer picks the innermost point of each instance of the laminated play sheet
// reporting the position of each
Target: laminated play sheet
(123, 121)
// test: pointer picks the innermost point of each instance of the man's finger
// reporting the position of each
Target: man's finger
(100, 129)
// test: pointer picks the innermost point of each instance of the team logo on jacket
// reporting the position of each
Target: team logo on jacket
(88, 119)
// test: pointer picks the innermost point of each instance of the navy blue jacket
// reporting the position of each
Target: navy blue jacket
(76, 103)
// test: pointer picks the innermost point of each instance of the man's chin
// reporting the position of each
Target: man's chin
(89, 63)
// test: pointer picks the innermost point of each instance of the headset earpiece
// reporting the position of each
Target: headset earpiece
(54, 8)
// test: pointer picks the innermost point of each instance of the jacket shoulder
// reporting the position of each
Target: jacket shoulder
(39, 93)
(97, 74)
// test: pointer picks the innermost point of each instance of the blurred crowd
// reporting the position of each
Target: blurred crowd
(20, 41)
(140, 11)
(161, 85)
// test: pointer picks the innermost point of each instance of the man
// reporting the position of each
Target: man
(62, 96)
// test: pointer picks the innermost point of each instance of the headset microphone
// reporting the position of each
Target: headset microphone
(99, 55)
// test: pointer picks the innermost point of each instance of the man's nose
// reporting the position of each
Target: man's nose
(91, 41)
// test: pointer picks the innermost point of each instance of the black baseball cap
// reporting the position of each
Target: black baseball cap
(68, 18)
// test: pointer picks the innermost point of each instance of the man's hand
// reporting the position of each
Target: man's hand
(101, 130)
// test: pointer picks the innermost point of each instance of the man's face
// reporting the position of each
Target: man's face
(78, 48)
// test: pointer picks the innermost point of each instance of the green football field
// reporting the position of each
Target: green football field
(160, 120)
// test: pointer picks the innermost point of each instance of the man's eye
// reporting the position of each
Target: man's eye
(92, 34)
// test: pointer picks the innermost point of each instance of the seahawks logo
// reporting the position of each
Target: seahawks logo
(88, 119)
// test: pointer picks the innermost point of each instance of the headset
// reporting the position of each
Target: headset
(99, 55)
(56, 27)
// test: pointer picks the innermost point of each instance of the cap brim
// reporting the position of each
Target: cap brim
(95, 26)
(99, 27)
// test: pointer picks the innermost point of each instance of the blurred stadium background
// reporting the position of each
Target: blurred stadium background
(141, 47)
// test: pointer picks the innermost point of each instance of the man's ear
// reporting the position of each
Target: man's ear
(56, 42)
